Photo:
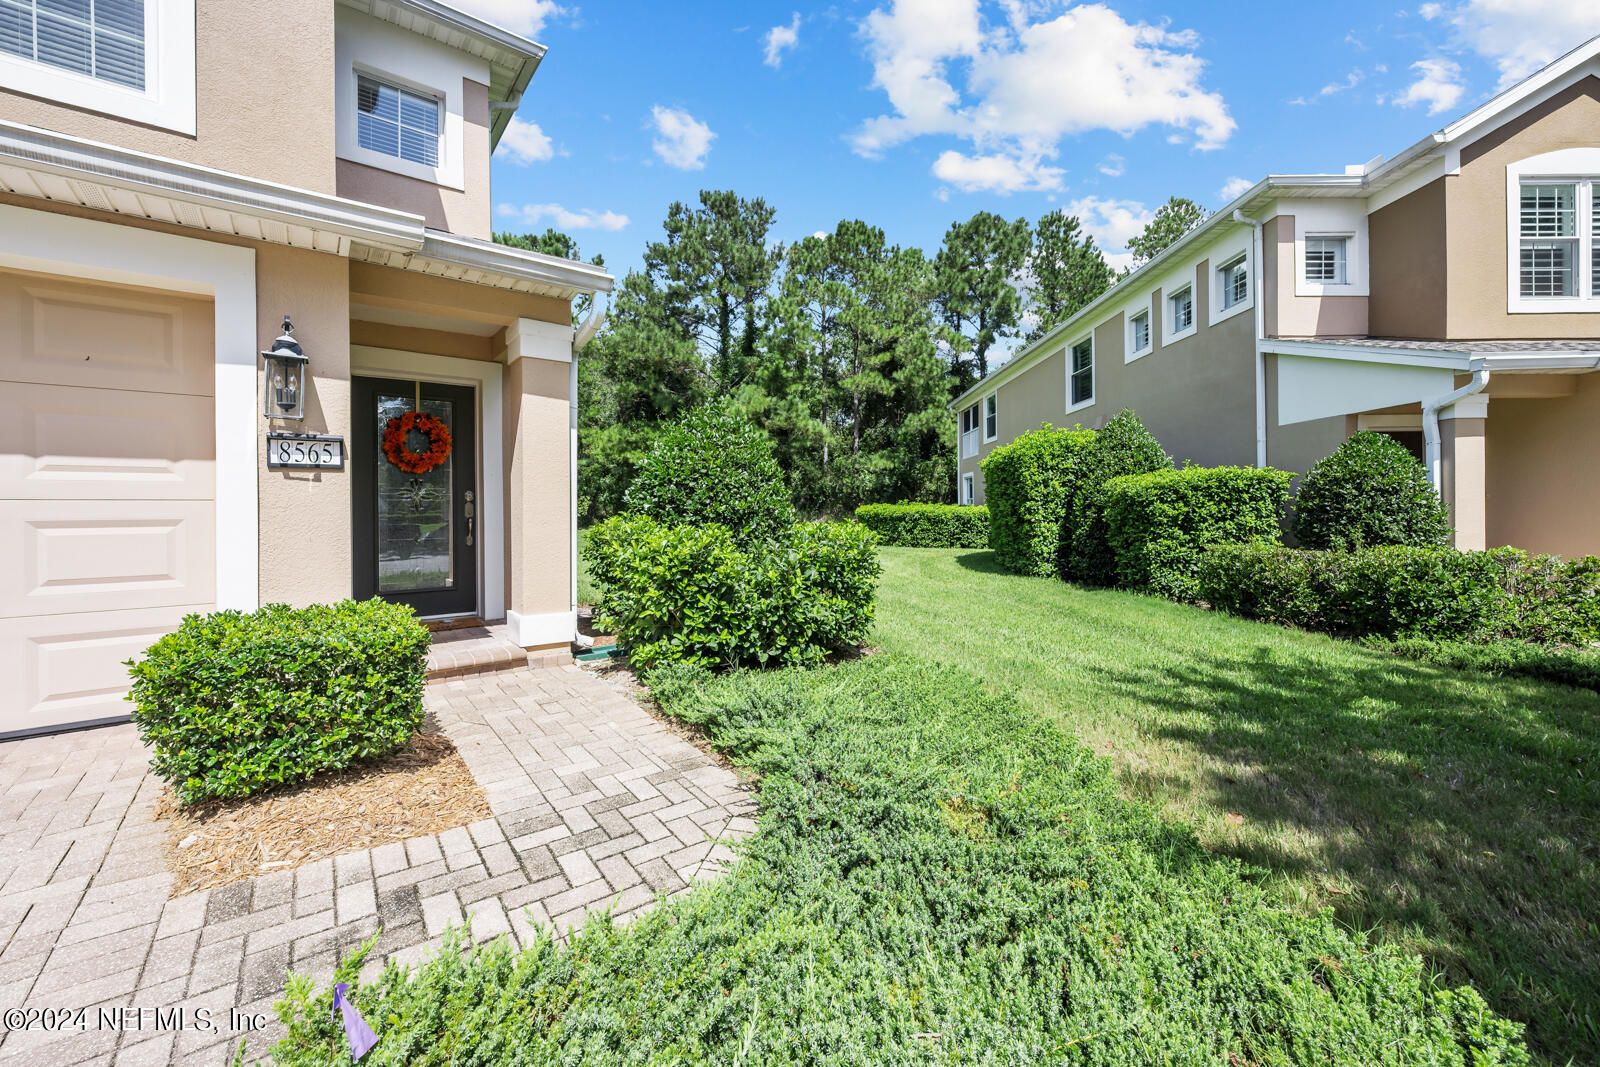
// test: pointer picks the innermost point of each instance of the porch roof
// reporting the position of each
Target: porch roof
(1543, 356)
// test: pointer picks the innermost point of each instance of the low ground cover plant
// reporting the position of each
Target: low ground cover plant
(1029, 485)
(233, 703)
(1162, 523)
(939, 876)
(1369, 492)
(927, 525)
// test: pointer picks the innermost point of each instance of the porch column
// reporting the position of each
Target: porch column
(539, 608)
(1463, 472)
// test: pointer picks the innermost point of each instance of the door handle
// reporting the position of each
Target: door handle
(469, 511)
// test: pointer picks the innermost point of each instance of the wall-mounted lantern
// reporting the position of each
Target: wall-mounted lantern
(284, 395)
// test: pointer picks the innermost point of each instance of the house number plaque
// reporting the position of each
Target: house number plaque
(315, 450)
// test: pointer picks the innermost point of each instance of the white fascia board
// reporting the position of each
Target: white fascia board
(29, 148)
(1530, 362)
(1548, 75)
(515, 263)
(1406, 357)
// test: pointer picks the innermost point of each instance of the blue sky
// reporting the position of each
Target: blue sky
(911, 114)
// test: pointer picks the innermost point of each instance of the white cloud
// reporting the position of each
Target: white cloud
(1233, 187)
(1518, 36)
(561, 218)
(1438, 85)
(1028, 84)
(1112, 223)
(999, 173)
(1113, 166)
(682, 140)
(525, 142)
(780, 39)
(526, 17)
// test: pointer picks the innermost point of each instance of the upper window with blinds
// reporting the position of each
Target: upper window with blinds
(100, 39)
(396, 122)
(1557, 223)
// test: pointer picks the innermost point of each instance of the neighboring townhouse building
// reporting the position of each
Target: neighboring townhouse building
(1449, 296)
(175, 179)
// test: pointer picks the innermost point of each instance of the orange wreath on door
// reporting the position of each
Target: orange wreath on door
(396, 433)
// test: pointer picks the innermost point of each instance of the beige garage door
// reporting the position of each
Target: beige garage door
(107, 519)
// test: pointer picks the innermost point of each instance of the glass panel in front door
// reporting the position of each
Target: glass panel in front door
(416, 537)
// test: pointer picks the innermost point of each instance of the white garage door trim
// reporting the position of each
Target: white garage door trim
(103, 251)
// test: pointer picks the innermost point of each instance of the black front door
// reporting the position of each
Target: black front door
(416, 534)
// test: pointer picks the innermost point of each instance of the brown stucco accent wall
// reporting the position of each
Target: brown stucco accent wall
(261, 69)
(464, 212)
(1408, 244)
(1477, 218)
(1543, 487)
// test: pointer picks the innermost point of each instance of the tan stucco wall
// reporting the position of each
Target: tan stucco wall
(464, 212)
(1408, 246)
(1463, 469)
(262, 69)
(1477, 220)
(1288, 315)
(304, 519)
(1543, 484)
(538, 489)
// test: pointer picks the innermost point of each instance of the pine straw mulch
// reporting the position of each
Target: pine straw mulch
(422, 789)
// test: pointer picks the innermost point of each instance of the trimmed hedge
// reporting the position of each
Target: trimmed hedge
(714, 465)
(1579, 668)
(1393, 591)
(940, 876)
(1370, 491)
(1123, 446)
(234, 703)
(1161, 523)
(927, 525)
(1028, 486)
(696, 595)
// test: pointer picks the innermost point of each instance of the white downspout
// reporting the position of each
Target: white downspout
(585, 334)
(1260, 294)
(1430, 422)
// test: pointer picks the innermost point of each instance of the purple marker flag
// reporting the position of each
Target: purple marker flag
(355, 1027)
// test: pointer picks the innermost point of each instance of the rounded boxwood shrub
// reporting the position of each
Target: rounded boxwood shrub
(713, 466)
(233, 703)
(696, 595)
(1028, 487)
(927, 525)
(1369, 492)
(1121, 447)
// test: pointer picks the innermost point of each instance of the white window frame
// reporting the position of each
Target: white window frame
(167, 100)
(1348, 240)
(968, 433)
(1168, 296)
(1149, 334)
(991, 410)
(383, 82)
(1345, 218)
(969, 490)
(1236, 257)
(1094, 385)
(365, 45)
(1577, 165)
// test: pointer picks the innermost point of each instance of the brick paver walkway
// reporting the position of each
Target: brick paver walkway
(595, 803)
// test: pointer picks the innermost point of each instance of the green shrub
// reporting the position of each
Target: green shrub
(1122, 447)
(927, 525)
(234, 703)
(1028, 486)
(1577, 667)
(1161, 523)
(694, 594)
(1369, 492)
(939, 876)
(1428, 592)
(1552, 601)
(714, 466)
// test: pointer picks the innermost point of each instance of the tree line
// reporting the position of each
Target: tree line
(843, 347)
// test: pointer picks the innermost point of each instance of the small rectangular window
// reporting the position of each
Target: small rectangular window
(1182, 304)
(1235, 282)
(396, 122)
(1082, 372)
(101, 39)
(1326, 260)
(1139, 332)
(991, 417)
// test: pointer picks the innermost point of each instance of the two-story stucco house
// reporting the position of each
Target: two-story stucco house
(176, 179)
(1449, 296)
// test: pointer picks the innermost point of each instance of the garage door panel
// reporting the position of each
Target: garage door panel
(63, 442)
(99, 555)
(61, 332)
(69, 669)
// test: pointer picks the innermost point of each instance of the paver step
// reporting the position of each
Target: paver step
(473, 650)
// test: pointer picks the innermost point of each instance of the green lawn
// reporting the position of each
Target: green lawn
(1453, 814)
